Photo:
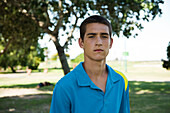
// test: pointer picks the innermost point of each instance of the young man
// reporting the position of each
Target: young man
(93, 86)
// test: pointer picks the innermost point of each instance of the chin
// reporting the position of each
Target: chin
(100, 59)
(95, 57)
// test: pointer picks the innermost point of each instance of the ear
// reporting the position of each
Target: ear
(111, 42)
(81, 44)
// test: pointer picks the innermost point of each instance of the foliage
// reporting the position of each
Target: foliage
(59, 18)
(18, 37)
(166, 63)
(79, 58)
(35, 56)
(9, 60)
(125, 15)
(56, 56)
(15, 56)
(168, 51)
(16, 29)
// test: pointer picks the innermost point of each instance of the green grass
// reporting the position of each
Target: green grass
(14, 80)
(149, 97)
(26, 104)
(33, 71)
(145, 97)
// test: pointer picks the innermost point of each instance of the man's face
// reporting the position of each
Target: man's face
(97, 42)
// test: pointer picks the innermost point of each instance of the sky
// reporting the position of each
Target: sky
(150, 44)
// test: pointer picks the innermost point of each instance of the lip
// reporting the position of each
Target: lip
(98, 50)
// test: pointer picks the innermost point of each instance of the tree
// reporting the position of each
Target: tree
(168, 52)
(35, 56)
(166, 63)
(60, 17)
(17, 55)
(16, 29)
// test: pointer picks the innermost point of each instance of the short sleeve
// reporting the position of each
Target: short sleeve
(125, 105)
(60, 101)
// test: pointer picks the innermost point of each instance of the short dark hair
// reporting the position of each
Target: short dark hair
(94, 19)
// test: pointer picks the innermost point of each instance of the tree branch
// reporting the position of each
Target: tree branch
(6, 47)
(71, 33)
(57, 27)
(41, 24)
(47, 23)
(59, 23)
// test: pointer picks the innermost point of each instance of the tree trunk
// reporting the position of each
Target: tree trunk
(63, 59)
(13, 70)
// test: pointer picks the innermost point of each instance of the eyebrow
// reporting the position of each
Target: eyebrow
(104, 33)
(96, 34)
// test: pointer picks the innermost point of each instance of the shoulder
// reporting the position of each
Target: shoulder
(67, 80)
(65, 86)
(70, 80)
(124, 78)
(121, 75)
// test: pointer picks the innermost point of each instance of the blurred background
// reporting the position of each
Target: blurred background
(39, 45)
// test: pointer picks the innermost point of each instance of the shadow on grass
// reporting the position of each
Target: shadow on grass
(44, 88)
(149, 87)
(26, 104)
(21, 86)
(145, 97)
(34, 71)
(135, 87)
(12, 72)
(149, 97)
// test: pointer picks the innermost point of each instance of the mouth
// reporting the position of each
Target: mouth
(98, 50)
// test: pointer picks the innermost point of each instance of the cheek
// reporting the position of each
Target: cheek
(88, 43)
(86, 46)
(107, 44)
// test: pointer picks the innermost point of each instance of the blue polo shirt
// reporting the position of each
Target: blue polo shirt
(76, 93)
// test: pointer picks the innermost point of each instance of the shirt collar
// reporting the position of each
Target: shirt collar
(82, 77)
(84, 80)
(114, 77)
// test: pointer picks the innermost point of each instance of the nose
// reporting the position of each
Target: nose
(98, 41)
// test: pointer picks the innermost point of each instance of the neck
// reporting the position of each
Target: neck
(95, 69)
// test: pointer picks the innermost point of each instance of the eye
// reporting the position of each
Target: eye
(91, 36)
(104, 36)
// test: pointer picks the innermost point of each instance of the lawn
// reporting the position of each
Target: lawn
(26, 104)
(149, 97)
(145, 96)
